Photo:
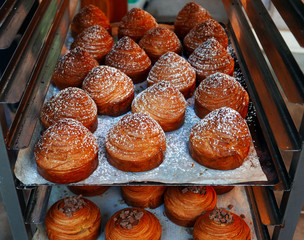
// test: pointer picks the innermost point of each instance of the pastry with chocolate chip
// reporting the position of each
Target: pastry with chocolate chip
(74, 218)
(133, 223)
(220, 224)
(183, 205)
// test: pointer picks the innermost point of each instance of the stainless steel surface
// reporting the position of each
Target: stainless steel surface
(282, 61)
(12, 15)
(28, 112)
(17, 73)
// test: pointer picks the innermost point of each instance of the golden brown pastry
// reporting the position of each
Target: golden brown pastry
(143, 196)
(136, 143)
(220, 90)
(183, 205)
(96, 41)
(157, 41)
(135, 24)
(72, 68)
(173, 68)
(187, 18)
(70, 103)
(129, 58)
(222, 189)
(203, 31)
(89, 190)
(89, 16)
(221, 140)
(66, 152)
(133, 223)
(210, 57)
(73, 218)
(164, 103)
(111, 89)
(222, 225)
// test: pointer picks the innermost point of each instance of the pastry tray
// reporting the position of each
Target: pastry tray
(111, 201)
(178, 167)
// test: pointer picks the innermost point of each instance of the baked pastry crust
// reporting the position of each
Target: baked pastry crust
(220, 90)
(222, 189)
(83, 224)
(111, 89)
(127, 56)
(173, 68)
(188, 17)
(203, 31)
(136, 143)
(147, 228)
(96, 41)
(183, 207)
(89, 190)
(66, 152)
(89, 16)
(70, 103)
(72, 68)
(164, 103)
(209, 58)
(135, 24)
(143, 196)
(157, 41)
(221, 140)
(206, 228)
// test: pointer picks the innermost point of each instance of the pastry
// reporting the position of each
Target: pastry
(203, 31)
(222, 189)
(73, 218)
(89, 16)
(187, 18)
(164, 103)
(220, 90)
(143, 196)
(183, 205)
(133, 223)
(220, 224)
(173, 68)
(66, 152)
(210, 57)
(136, 143)
(221, 140)
(96, 41)
(72, 68)
(88, 191)
(129, 58)
(111, 89)
(157, 41)
(135, 24)
(73, 103)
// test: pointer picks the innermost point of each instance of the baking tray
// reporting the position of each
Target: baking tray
(178, 167)
(111, 201)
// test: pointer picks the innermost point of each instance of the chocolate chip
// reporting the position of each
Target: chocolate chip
(242, 216)
(221, 216)
(230, 206)
(72, 204)
(129, 218)
(195, 189)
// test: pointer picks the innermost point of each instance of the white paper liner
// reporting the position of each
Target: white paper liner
(111, 201)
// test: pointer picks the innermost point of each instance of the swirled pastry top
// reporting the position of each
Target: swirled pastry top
(72, 68)
(95, 40)
(173, 68)
(70, 103)
(135, 137)
(202, 31)
(127, 56)
(221, 224)
(157, 41)
(163, 102)
(210, 57)
(89, 16)
(108, 86)
(221, 90)
(188, 17)
(136, 23)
